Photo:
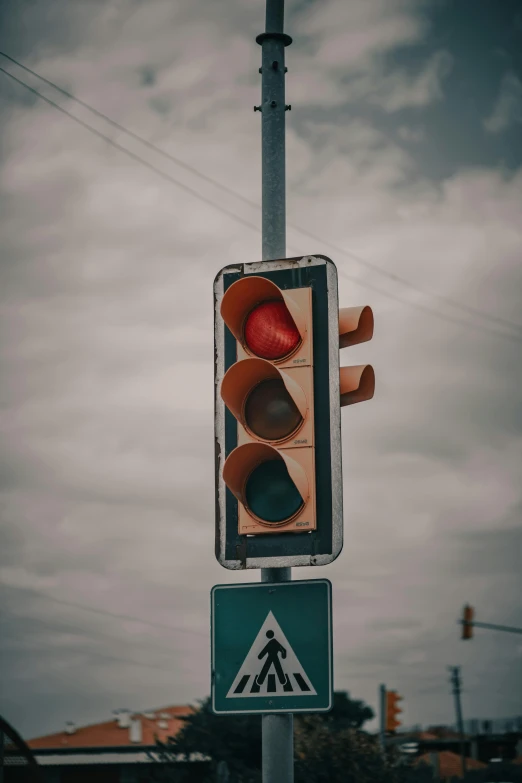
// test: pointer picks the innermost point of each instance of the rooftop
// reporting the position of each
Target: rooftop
(136, 729)
(450, 764)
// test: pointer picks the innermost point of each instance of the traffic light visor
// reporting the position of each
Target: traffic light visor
(355, 325)
(270, 484)
(356, 384)
(267, 321)
(392, 710)
(266, 401)
(393, 700)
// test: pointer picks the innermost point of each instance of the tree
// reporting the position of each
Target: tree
(329, 747)
(327, 753)
(234, 740)
(347, 713)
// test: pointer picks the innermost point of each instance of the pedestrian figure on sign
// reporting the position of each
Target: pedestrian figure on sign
(272, 650)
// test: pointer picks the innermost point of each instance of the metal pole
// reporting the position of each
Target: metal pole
(455, 681)
(435, 765)
(277, 730)
(492, 626)
(382, 716)
(273, 42)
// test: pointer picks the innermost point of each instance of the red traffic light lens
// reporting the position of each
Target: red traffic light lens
(270, 331)
(270, 412)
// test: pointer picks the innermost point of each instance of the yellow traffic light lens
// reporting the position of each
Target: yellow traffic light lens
(271, 495)
(270, 331)
(270, 412)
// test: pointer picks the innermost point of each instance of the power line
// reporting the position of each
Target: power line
(426, 309)
(237, 218)
(61, 625)
(95, 610)
(440, 297)
(84, 651)
(67, 627)
(225, 188)
(132, 155)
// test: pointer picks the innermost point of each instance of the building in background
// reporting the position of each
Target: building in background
(437, 745)
(120, 750)
(447, 765)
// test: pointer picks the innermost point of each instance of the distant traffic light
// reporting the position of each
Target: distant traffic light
(468, 614)
(279, 391)
(392, 710)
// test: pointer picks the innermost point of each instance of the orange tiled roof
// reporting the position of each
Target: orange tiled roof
(110, 734)
(450, 763)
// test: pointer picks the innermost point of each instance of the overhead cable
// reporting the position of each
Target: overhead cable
(248, 224)
(462, 306)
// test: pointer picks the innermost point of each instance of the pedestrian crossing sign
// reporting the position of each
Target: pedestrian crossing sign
(272, 647)
(270, 652)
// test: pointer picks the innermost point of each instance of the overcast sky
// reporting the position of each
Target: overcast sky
(403, 150)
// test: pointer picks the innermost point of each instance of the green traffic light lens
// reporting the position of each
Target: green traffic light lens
(270, 412)
(271, 494)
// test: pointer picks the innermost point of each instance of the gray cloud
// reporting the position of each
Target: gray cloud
(106, 488)
(507, 110)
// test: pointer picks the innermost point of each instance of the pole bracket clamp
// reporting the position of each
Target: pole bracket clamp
(286, 39)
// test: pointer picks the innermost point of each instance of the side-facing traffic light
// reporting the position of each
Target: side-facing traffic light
(279, 391)
(468, 614)
(357, 384)
(392, 710)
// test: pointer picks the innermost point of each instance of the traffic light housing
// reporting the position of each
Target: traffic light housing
(269, 391)
(468, 614)
(392, 710)
(279, 391)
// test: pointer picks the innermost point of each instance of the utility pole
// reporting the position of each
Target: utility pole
(2, 747)
(277, 730)
(456, 684)
(382, 716)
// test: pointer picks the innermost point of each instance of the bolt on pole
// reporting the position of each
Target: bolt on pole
(277, 730)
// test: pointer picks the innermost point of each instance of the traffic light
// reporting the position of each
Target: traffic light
(279, 391)
(269, 391)
(467, 622)
(392, 710)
